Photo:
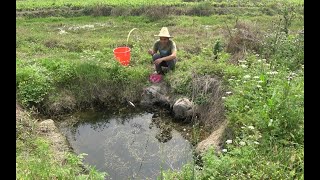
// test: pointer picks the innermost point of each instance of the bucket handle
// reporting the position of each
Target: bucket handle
(130, 34)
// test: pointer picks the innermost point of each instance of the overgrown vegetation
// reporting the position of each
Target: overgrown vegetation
(66, 64)
(36, 160)
(152, 9)
(265, 108)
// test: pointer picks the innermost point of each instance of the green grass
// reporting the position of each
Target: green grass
(36, 160)
(38, 4)
(35, 4)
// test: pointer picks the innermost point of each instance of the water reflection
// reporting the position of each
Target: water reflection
(131, 145)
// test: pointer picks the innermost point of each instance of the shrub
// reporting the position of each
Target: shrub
(32, 84)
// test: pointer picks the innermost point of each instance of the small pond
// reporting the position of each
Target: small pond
(129, 143)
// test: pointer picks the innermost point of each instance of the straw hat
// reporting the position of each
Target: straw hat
(164, 33)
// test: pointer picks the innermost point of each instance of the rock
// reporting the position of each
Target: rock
(154, 95)
(182, 108)
(214, 140)
(58, 142)
(46, 126)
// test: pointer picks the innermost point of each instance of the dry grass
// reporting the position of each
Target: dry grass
(210, 115)
(212, 112)
(242, 38)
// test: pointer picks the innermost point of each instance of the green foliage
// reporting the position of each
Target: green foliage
(33, 84)
(181, 82)
(217, 47)
(30, 4)
(265, 108)
(40, 164)
(36, 160)
(262, 98)
(284, 50)
(268, 99)
(61, 70)
(187, 172)
(244, 162)
(288, 12)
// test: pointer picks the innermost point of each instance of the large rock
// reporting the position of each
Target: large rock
(214, 140)
(182, 109)
(155, 95)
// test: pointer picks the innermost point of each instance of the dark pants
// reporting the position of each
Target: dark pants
(170, 64)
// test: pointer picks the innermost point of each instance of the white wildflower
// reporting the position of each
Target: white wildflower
(250, 127)
(246, 106)
(270, 122)
(242, 143)
(260, 81)
(242, 61)
(243, 66)
(259, 60)
(184, 129)
(229, 141)
(62, 31)
(256, 77)
(256, 142)
(228, 92)
(88, 26)
(272, 72)
(246, 76)
(224, 150)
(223, 97)
(258, 86)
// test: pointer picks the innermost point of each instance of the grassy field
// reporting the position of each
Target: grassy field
(38, 4)
(66, 63)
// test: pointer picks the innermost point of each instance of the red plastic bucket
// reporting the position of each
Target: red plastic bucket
(122, 54)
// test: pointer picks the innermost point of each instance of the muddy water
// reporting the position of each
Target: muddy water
(128, 144)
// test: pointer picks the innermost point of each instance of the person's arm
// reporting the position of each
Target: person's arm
(153, 50)
(170, 57)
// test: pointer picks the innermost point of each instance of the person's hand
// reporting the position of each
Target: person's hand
(158, 61)
(150, 51)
